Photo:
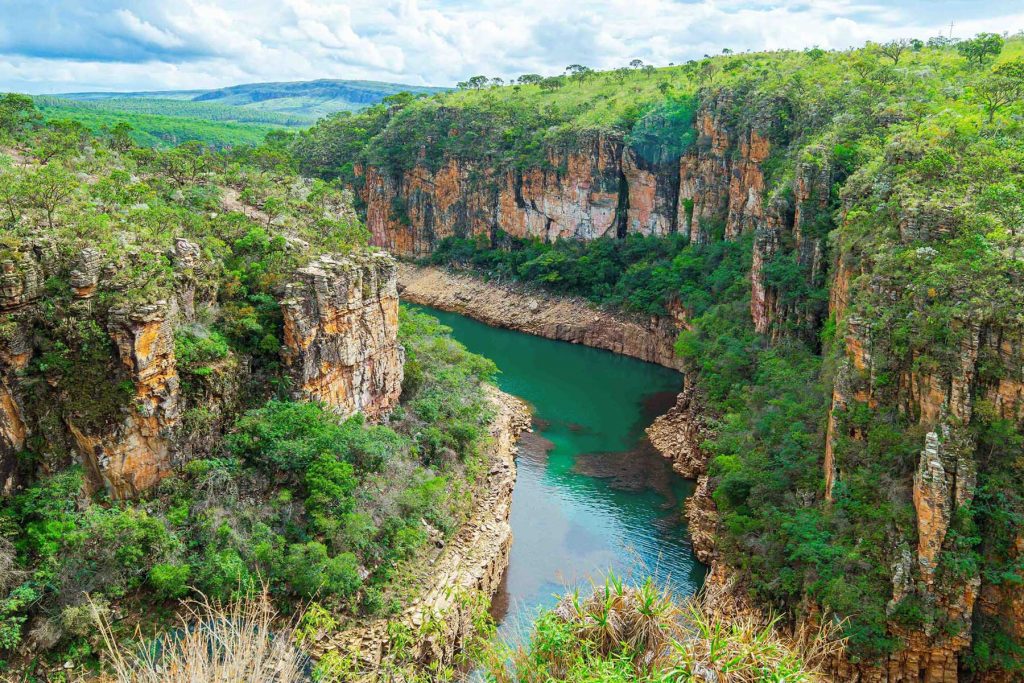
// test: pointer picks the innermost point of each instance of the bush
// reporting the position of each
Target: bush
(170, 580)
(312, 572)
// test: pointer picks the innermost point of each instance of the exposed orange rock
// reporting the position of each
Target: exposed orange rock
(138, 454)
(341, 333)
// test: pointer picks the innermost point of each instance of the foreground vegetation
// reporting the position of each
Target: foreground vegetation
(620, 633)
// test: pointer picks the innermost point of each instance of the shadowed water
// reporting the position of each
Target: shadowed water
(592, 495)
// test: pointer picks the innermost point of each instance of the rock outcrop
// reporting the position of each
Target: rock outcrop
(341, 333)
(137, 454)
(532, 311)
(341, 324)
(470, 565)
(679, 433)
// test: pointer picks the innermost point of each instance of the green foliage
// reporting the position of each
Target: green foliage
(170, 580)
(17, 113)
(329, 486)
(982, 48)
(195, 350)
(312, 572)
(639, 273)
(288, 436)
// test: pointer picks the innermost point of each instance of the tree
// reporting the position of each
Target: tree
(636, 64)
(530, 79)
(17, 112)
(48, 188)
(940, 42)
(120, 137)
(649, 70)
(579, 73)
(893, 49)
(1001, 87)
(10, 194)
(61, 138)
(474, 83)
(982, 48)
(552, 83)
(398, 101)
(186, 163)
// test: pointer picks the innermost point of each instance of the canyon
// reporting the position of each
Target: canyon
(719, 189)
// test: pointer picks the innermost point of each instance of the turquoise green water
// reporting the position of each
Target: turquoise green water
(591, 494)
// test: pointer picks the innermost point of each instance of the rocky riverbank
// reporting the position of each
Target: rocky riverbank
(517, 307)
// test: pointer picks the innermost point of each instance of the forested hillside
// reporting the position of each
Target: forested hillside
(840, 232)
(173, 419)
(168, 123)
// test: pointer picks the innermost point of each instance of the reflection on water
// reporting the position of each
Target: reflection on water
(592, 495)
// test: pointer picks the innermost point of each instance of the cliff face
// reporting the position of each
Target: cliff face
(600, 187)
(125, 450)
(94, 379)
(341, 333)
(944, 483)
(138, 453)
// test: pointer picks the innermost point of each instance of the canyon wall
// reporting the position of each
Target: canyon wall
(341, 333)
(88, 374)
(597, 187)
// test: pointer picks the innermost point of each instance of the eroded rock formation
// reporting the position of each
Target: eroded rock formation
(341, 333)
(137, 454)
(131, 429)
(679, 433)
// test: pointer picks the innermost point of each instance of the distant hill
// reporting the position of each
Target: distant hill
(307, 100)
(236, 115)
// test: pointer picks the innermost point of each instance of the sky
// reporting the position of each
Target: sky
(49, 46)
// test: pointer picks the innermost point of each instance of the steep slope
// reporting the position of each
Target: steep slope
(860, 374)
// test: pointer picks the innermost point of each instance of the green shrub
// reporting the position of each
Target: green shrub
(170, 580)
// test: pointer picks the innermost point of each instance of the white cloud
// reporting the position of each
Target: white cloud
(61, 45)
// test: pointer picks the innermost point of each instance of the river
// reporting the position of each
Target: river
(592, 495)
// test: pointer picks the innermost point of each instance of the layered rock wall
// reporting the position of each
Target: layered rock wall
(532, 311)
(341, 333)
